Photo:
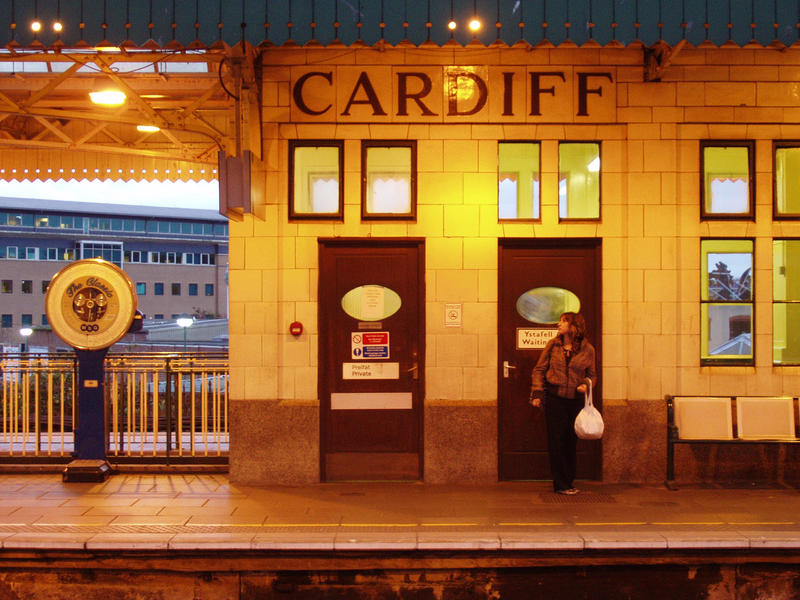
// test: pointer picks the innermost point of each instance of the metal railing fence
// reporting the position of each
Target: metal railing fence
(161, 408)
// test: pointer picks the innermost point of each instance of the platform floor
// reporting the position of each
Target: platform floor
(207, 512)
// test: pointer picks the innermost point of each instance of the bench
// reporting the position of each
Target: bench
(728, 420)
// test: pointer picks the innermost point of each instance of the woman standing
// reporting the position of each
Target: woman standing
(558, 378)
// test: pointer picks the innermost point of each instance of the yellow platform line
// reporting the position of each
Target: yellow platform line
(379, 525)
(262, 524)
(763, 523)
(528, 524)
(219, 524)
(613, 523)
(449, 524)
(690, 523)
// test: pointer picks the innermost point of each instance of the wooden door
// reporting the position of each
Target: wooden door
(371, 350)
(538, 278)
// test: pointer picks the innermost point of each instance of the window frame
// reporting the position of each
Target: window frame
(599, 216)
(751, 166)
(539, 170)
(776, 216)
(411, 215)
(728, 362)
(782, 302)
(297, 216)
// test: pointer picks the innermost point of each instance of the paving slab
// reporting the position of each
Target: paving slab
(207, 512)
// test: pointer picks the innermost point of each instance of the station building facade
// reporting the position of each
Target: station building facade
(177, 259)
(431, 210)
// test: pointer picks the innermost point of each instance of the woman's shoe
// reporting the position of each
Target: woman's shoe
(569, 492)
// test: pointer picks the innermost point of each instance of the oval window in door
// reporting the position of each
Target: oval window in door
(546, 304)
(371, 302)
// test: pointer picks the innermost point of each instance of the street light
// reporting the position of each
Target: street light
(184, 322)
(25, 332)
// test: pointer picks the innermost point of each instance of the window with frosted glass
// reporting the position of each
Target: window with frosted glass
(389, 180)
(786, 195)
(727, 187)
(578, 180)
(786, 302)
(316, 179)
(726, 302)
(518, 180)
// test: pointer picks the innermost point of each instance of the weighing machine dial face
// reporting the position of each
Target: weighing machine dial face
(90, 304)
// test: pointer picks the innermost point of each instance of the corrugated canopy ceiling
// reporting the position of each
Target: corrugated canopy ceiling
(178, 24)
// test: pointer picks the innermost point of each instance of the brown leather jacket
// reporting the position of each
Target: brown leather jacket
(552, 370)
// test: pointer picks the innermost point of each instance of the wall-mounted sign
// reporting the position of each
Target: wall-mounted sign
(366, 370)
(452, 315)
(534, 337)
(369, 345)
(372, 401)
(452, 93)
(90, 304)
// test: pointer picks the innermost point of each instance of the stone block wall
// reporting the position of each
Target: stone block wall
(650, 228)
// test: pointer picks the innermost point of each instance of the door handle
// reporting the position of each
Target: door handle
(507, 368)
(414, 370)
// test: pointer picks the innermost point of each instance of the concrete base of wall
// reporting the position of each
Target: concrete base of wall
(273, 443)
(635, 451)
(460, 444)
(635, 442)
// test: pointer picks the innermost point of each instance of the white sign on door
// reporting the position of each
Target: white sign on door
(534, 338)
(372, 302)
(370, 370)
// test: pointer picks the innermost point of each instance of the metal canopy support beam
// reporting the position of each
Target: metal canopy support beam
(49, 108)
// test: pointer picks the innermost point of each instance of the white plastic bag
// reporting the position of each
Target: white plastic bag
(589, 422)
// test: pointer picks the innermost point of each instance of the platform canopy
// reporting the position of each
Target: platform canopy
(194, 24)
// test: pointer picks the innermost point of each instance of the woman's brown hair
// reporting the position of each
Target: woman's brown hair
(577, 323)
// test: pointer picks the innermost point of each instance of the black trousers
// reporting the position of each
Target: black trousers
(559, 414)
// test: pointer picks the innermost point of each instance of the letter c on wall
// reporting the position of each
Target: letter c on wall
(297, 92)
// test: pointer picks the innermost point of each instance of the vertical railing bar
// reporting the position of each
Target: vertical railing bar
(217, 412)
(226, 378)
(180, 414)
(14, 409)
(61, 408)
(194, 413)
(168, 406)
(26, 398)
(49, 413)
(155, 410)
(37, 406)
(131, 405)
(6, 383)
(115, 410)
(204, 412)
(142, 411)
